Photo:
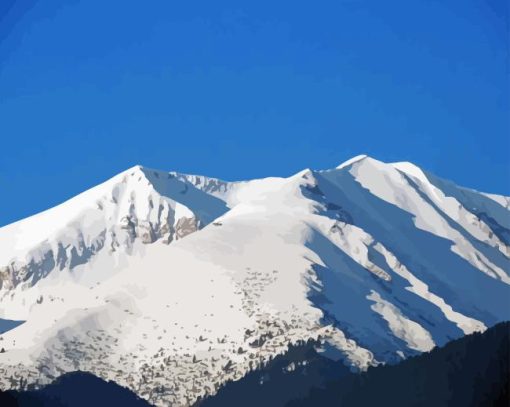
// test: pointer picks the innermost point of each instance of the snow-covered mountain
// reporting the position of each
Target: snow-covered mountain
(173, 284)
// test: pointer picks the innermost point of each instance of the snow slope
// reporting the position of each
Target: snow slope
(172, 284)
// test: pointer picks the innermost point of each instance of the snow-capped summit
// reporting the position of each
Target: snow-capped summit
(352, 161)
(173, 284)
(140, 204)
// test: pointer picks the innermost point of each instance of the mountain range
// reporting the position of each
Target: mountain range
(173, 285)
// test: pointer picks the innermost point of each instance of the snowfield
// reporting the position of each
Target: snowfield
(173, 284)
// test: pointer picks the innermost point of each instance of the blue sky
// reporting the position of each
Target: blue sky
(242, 90)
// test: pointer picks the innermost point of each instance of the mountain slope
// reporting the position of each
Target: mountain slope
(172, 284)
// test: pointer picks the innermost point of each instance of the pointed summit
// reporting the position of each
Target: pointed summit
(352, 161)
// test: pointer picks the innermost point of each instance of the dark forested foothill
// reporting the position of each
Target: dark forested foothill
(471, 371)
(77, 389)
(287, 376)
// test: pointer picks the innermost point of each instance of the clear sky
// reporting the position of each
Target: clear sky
(247, 89)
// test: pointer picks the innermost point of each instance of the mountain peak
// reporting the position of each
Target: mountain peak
(143, 171)
(352, 160)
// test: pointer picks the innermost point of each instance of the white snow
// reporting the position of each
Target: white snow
(352, 161)
(413, 334)
(170, 275)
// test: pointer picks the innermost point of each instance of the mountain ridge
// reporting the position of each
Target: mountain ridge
(192, 281)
